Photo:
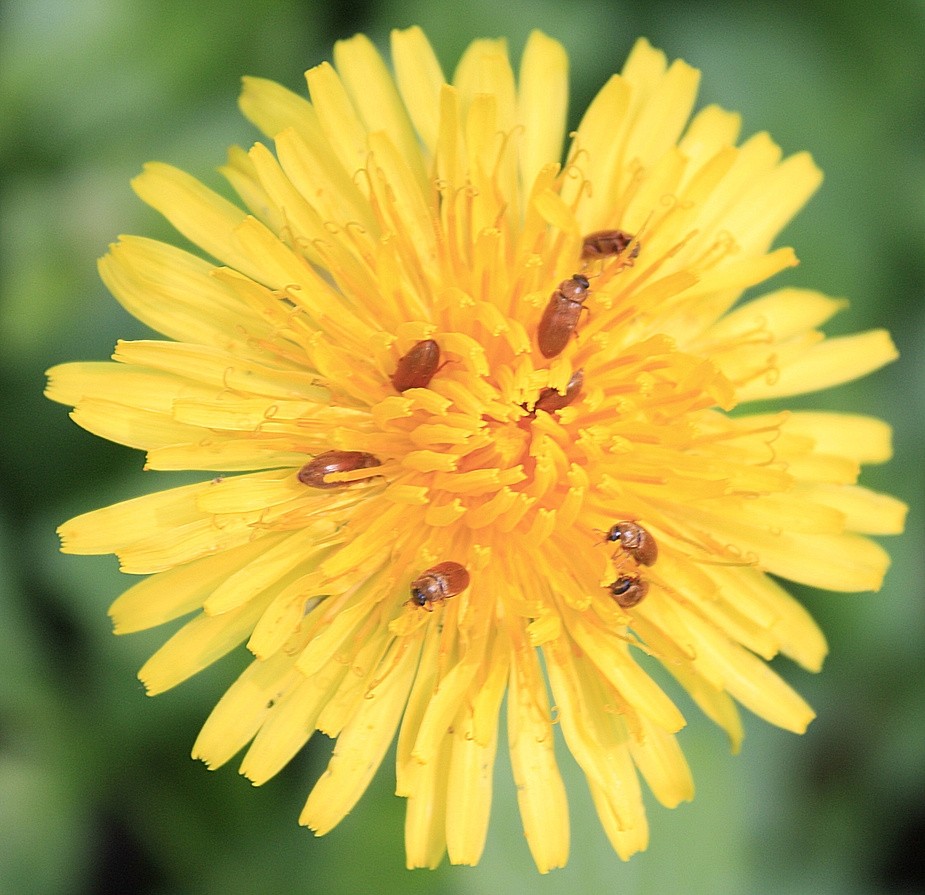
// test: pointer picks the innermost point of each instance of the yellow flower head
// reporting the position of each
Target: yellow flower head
(486, 410)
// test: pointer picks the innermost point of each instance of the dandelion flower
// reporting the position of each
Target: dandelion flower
(482, 424)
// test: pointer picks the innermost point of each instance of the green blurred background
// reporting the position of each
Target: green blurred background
(97, 792)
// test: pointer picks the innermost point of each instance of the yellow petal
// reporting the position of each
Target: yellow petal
(844, 562)
(797, 634)
(426, 812)
(420, 80)
(628, 679)
(740, 275)
(400, 189)
(302, 219)
(863, 439)
(200, 214)
(425, 682)
(220, 369)
(485, 70)
(142, 389)
(599, 139)
(175, 293)
(291, 552)
(272, 108)
(327, 185)
(781, 314)
(865, 511)
(246, 493)
(540, 792)
(240, 172)
(626, 840)
(338, 118)
(825, 365)
(596, 734)
(289, 724)
(135, 428)
(182, 544)
(664, 107)
(321, 650)
(197, 645)
(223, 455)
(369, 663)
(444, 706)
(749, 679)
(469, 785)
(665, 631)
(375, 97)
(711, 130)
(772, 201)
(542, 103)
(108, 529)
(361, 747)
(168, 595)
(242, 709)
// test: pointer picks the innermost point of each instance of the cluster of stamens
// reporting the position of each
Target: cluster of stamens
(416, 368)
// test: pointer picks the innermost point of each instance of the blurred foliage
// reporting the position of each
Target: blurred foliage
(97, 793)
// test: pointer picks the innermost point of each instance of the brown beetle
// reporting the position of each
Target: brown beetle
(438, 583)
(561, 315)
(314, 472)
(628, 590)
(416, 368)
(604, 243)
(551, 401)
(635, 540)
